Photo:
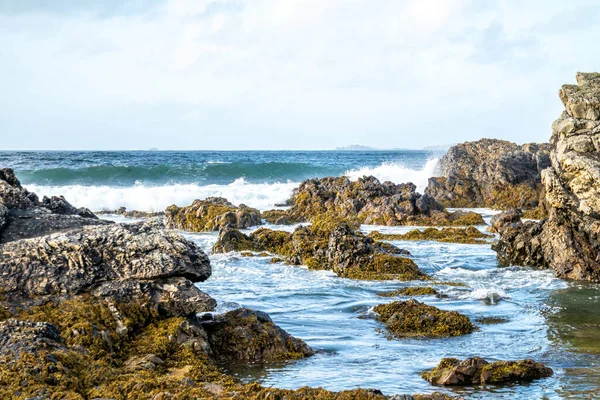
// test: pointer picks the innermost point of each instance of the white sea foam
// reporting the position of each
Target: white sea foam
(156, 198)
(397, 173)
(490, 295)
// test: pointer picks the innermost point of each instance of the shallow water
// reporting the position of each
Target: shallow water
(334, 316)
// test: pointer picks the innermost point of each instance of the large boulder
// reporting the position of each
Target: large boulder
(475, 371)
(371, 202)
(491, 173)
(211, 214)
(114, 261)
(569, 240)
(23, 215)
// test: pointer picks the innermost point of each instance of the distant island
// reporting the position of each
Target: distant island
(355, 147)
(439, 147)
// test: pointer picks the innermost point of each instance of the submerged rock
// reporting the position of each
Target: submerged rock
(491, 173)
(411, 291)
(329, 244)
(23, 215)
(568, 241)
(371, 202)
(414, 319)
(451, 372)
(211, 214)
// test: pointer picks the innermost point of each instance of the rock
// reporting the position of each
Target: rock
(473, 371)
(370, 202)
(122, 211)
(115, 262)
(510, 218)
(211, 214)
(148, 362)
(22, 215)
(411, 291)
(244, 335)
(490, 173)
(470, 235)
(414, 319)
(568, 241)
(26, 337)
(329, 244)
(278, 217)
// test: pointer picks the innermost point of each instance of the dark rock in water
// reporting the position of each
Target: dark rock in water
(568, 241)
(371, 202)
(453, 372)
(491, 173)
(328, 244)
(414, 319)
(469, 235)
(251, 336)
(23, 216)
(510, 218)
(211, 214)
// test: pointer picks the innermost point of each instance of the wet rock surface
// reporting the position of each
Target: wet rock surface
(453, 372)
(491, 173)
(470, 235)
(23, 215)
(211, 214)
(568, 241)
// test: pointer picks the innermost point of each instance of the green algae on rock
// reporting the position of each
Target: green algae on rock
(330, 243)
(492, 320)
(211, 214)
(414, 319)
(476, 370)
(469, 235)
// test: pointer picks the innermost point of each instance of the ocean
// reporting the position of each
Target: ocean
(547, 319)
(153, 180)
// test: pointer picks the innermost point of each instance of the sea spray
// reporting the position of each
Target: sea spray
(141, 197)
(397, 173)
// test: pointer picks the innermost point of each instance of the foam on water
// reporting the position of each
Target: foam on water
(156, 198)
(397, 173)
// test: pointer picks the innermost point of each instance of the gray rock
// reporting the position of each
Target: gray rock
(21, 337)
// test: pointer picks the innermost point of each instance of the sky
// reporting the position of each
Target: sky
(286, 74)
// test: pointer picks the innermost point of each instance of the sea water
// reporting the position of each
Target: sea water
(549, 320)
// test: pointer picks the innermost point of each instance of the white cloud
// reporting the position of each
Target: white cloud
(387, 73)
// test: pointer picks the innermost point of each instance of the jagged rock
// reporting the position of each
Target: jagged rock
(568, 241)
(22, 215)
(452, 372)
(211, 214)
(371, 202)
(414, 319)
(251, 336)
(116, 262)
(329, 244)
(490, 173)
(510, 218)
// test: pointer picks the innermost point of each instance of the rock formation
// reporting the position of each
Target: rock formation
(23, 215)
(329, 244)
(371, 202)
(211, 214)
(491, 173)
(469, 235)
(568, 241)
(475, 371)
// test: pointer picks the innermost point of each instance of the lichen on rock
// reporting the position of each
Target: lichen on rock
(211, 214)
(414, 319)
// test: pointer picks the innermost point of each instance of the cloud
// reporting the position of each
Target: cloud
(272, 73)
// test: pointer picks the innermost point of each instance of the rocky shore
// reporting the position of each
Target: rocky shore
(568, 241)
